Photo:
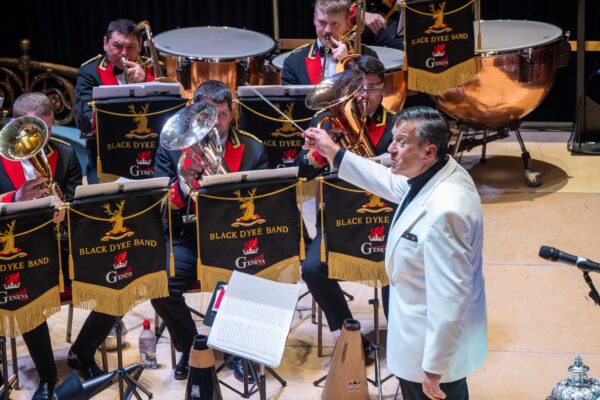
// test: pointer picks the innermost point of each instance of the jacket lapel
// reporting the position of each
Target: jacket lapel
(234, 151)
(314, 66)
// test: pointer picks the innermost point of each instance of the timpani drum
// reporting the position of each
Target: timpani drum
(395, 81)
(232, 55)
(394, 90)
(516, 67)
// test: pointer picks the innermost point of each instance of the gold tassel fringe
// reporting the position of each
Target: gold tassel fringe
(348, 268)
(436, 84)
(285, 271)
(119, 302)
(29, 317)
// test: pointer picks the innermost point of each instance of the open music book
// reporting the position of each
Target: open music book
(120, 185)
(249, 176)
(18, 206)
(135, 90)
(254, 318)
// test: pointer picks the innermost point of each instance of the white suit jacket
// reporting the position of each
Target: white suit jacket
(437, 318)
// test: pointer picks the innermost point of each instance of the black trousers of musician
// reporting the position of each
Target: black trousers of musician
(326, 291)
(92, 154)
(93, 332)
(456, 390)
(173, 309)
(387, 37)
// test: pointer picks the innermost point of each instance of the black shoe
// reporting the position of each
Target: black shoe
(85, 369)
(44, 391)
(368, 350)
(237, 364)
(181, 369)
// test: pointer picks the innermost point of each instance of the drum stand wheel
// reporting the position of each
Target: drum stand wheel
(469, 136)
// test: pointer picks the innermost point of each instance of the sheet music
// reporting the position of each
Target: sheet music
(254, 318)
(120, 185)
(18, 206)
(249, 176)
(142, 89)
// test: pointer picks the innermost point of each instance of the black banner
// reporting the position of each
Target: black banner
(128, 131)
(281, 138)
(357, 224)
(252, 228)
(440, 45)
(118, 250)
(29, 271)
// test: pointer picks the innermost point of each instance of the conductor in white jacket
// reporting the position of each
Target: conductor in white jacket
(437, 326)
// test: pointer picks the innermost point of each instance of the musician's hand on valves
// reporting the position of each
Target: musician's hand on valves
(135, 72)
(336, 133)
(32, 189)
(339, 50)
(375, 22)
(193, 174)
(319, 140)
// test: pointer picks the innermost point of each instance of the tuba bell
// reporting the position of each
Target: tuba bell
(24, 138)
(338, 95)
(192, 130)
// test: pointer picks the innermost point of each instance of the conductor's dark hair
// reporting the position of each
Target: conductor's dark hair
(369, 65)
(124, 27)
(431, 127)
(214, 91)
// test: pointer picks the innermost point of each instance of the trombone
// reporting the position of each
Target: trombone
(153, 61)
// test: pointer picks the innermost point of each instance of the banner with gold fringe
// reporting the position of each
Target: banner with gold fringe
(117, 251)
(127, 134)
(357, 224)
(252, 228)
(29, 271)
(439, 44)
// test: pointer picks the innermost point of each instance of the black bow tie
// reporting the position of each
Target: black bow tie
(322, 51)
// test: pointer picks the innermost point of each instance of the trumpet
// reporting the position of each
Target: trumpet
(24, 138)
(123, 59)
(192, 130)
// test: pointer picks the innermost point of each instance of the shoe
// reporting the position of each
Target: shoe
(368, 350)
(44, 391)
(86, 370)
(182, 368)
(237, 364)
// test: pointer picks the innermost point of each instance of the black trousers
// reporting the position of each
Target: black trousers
(326, 291)
(456, 390)
(90, 168)
(173, 309)
(40, 349)
(386, 37)
(93, 332)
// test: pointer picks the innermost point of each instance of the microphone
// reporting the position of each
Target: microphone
(553, 254)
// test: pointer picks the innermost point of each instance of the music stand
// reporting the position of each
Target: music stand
(112, 188)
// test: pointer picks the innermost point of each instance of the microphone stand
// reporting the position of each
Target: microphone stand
(594, 295)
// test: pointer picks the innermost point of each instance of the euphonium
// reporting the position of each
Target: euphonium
(338, 95)
(144, 26)
(192, 130)
(24, 138)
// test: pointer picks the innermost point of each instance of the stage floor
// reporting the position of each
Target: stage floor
(539, 314)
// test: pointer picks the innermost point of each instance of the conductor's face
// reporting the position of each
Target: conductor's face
(410, 157)
(119, 45)
(336, 24)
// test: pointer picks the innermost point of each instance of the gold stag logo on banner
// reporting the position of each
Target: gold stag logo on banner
(438, 15)
(375, 205)
(7, 239)
(141, 118)
(287, 130)
(249, 218)
(118, 231)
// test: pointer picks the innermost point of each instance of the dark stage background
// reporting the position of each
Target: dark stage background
(70, 31)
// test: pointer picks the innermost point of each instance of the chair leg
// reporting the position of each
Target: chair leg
(313, 315)
(319, 331)
(173, 360)
(156, 325)
(69, 323)
(104, 354)
(15, 364)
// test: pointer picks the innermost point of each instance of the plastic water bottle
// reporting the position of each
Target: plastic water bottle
(147, 344)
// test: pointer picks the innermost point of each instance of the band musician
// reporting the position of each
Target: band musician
(384, 26)
(119, 65)
(304, 66)
(20, 182)
(243, 152)
(326, 291)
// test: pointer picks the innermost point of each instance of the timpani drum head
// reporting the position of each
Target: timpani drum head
(213, 44)
(502, 36)
(392, 59)
(278, 61)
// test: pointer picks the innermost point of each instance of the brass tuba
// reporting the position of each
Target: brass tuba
(148, 43)
(24, 138)
(192, 130)
(338, 95)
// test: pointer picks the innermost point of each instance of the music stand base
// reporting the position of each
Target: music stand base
(260, 383)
